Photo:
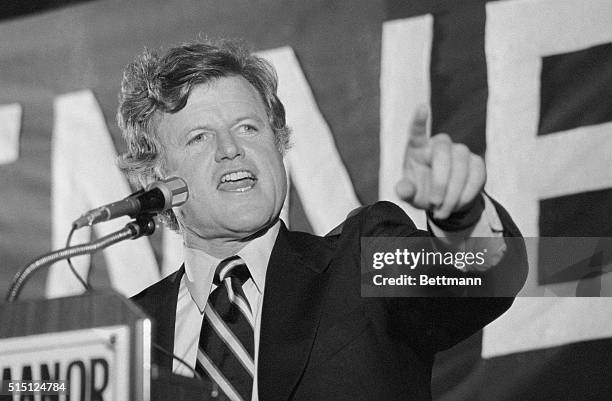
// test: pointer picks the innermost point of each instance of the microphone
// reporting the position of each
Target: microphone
(155, 198)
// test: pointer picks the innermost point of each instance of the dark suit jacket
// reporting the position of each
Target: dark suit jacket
(320, 340)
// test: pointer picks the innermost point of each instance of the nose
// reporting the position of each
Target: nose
(228, 147)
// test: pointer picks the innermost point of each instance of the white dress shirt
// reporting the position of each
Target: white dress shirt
(197, 283)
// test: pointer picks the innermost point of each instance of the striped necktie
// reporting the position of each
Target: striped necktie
(226, 349)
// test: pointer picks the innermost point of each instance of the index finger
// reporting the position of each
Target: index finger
(418, 129)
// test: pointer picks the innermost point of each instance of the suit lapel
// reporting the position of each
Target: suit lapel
(159, 302)
(294, 289)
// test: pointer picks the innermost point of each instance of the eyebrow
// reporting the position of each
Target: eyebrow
(233, 123)
(254, 117)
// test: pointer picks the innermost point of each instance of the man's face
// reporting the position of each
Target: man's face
(222, 144)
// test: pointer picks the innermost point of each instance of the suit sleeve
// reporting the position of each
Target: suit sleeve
(437, 323)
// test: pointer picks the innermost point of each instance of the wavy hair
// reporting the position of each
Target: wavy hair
(154, 84)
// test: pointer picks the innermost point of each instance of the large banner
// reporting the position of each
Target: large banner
(525, 83)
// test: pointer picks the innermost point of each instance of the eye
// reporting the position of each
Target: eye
(247, 129)
(197, 138)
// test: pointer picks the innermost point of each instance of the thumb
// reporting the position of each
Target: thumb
(405, 190)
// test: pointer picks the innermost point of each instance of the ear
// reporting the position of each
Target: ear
(149, 177)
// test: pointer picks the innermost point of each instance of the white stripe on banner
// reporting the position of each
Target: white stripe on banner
(404, 85)
(218, 377)
(313, 161)
(10, 128)
(84, 176)
(518, 34)
(578, 160)
(172, 252)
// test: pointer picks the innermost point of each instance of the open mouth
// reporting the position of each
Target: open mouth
(237, 181)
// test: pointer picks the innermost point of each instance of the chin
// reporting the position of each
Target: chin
(249, 224)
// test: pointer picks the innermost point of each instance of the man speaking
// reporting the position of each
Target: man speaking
(264, 313)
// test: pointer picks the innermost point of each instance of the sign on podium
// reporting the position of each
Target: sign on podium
(93, 347)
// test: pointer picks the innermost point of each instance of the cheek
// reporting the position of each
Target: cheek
(280, 179)
(186, 158)
(194, 173)
(176, 166)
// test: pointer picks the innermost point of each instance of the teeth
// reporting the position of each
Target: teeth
(237, 175)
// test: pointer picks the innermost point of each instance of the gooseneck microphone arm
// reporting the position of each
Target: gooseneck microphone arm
(142, 205)
(143, 225)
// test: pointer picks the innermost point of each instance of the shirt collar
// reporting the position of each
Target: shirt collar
(200, 266)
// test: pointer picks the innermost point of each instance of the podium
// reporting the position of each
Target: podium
(99, 343)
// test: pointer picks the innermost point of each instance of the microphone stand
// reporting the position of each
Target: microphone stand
(143, 225)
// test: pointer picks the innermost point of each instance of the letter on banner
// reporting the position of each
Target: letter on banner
(10, 128)
(313, 162)
(518, 35)
(404, 84)
(84, 176)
